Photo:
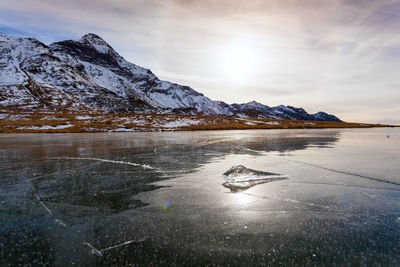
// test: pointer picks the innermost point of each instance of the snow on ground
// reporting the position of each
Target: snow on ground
(83, 117)
(14, 117)
(160, 122)
(257, 122)
(124, 130)
(180, 123)
(272, 122)
(136, 120)
(250, 122)
(45, 127)
(52, 118)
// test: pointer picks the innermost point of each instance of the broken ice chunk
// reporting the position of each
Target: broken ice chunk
(239, 178)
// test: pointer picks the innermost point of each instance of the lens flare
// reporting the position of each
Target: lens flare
(165, 207)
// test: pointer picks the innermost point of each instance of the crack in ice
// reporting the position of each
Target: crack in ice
(122, 244)
(144, 166)
(344, 172)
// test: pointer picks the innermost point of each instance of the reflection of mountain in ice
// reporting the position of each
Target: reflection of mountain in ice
(239, 178)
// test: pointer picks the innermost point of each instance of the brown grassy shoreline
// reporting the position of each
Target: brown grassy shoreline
(55, 122)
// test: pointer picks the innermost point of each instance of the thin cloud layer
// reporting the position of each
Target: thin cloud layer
(337, 56)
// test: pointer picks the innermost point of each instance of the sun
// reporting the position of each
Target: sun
(238, 62)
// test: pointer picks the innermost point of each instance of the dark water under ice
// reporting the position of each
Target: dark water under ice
(158, 198)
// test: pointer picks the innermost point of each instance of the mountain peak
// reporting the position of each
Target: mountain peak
(97, 42)
(4, 37)
(255, 104)
(92, 38)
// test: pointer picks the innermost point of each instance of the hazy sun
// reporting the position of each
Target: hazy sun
(238, 62)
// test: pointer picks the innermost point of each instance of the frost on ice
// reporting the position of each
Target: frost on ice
(239, 178)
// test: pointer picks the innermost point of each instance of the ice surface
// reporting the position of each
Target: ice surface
(86, 199)
(240, 178)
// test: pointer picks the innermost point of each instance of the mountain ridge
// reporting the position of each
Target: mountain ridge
(89, 75)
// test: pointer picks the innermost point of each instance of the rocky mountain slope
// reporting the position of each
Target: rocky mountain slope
(88, 75)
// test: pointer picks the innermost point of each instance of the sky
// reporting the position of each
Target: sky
(337, 56)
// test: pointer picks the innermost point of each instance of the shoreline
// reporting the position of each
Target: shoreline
(57, 122)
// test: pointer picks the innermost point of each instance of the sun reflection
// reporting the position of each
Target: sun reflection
(243, 199)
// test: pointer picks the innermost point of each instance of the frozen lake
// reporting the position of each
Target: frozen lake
(158, 199)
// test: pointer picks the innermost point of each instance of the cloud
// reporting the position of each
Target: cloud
(323, 55)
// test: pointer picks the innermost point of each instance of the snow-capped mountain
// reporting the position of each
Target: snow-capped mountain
(89, 75)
